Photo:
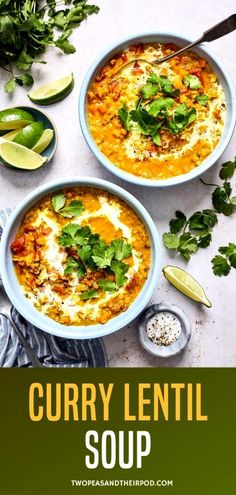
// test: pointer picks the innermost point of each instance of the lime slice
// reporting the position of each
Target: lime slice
(17, 156)
(186, 284)
(44, 141)
(14, 118)
(53, 91)
(29, 135)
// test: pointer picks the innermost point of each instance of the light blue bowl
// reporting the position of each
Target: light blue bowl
(40, 116)
(26, 308)
(219, 70)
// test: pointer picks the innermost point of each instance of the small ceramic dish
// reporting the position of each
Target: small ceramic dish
(48, 124)
(164, 351)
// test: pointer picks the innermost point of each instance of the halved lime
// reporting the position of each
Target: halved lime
(29, 135)
(186, 284)
(17, 156)
(53, 91)
(14, 118)
(44, 141)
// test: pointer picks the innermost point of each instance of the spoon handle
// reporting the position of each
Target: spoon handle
(217, 31)
(220, 29)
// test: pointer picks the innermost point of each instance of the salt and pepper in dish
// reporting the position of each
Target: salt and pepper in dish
(164, 330)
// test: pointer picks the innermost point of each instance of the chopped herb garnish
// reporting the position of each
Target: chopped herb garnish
(160, 104)
(119, 268)
(88, 294)
(193, 82)
(202, 99)
(124, 117)
(107, 285)
(222, 264)
(183, 116)
(73, 209)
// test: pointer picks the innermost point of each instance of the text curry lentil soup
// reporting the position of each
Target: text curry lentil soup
(81, 255)
(156, 122)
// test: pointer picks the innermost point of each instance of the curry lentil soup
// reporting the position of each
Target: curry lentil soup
(157, 121)
(81, 256)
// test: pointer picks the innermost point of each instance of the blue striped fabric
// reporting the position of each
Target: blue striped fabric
(47, 347)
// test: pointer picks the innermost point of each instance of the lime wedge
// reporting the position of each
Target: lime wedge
(14, 118)
(12, 134)
(53, 91)
(44, 141)
(29, 135)
(17, 156)
(186, 284)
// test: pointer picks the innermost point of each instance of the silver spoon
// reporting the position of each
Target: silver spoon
(6, 311)
(217, 31)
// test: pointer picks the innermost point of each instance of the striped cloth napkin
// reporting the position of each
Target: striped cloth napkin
(47, 347)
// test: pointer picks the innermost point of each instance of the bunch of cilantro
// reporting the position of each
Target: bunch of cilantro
(92, 253)
(152, 114)
(186, 236)
(28, 27)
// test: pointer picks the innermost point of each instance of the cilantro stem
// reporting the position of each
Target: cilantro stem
(208, 184)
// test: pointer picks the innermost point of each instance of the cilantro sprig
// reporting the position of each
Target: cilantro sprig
(223, 262)
(73, 209)
(91, 253)
(186, 236)
(28, 27)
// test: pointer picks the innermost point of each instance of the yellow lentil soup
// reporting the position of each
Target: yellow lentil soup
(81, 255)
(156, 121)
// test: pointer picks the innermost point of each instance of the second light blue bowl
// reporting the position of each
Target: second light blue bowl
(152, 37)
(25, 307)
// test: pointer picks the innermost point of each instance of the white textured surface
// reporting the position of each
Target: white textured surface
(213, 341)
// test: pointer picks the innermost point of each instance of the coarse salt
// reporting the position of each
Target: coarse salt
(164, 328)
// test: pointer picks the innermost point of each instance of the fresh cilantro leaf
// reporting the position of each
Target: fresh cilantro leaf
(24, 61)
(58, 202)
(160, 104)
(85, 252)
(107, 285)
(104, 260)
(71, 264)
(187, 245)
(183, 116)
(204, 239)
(24, 80)
(88, 294)
(232, 259)
(10, 85)
(157, 139)
(227, 170)
(121, 249)
(228, 250)
(177, 224)
(81, 271)
(149, 90)
(170, 241)
(63, 43)
(193, 82)
(147, 124)
(233, 200)
(124, 117)
(73, 209)
(164, 85)
(73, 234)
(203, 220)
(119, 269)
(220, 266)
(202, 99)
(221, 199)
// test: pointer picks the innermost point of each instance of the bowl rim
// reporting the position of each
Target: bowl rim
(48, 117)
(29, 312)
(141, 181)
